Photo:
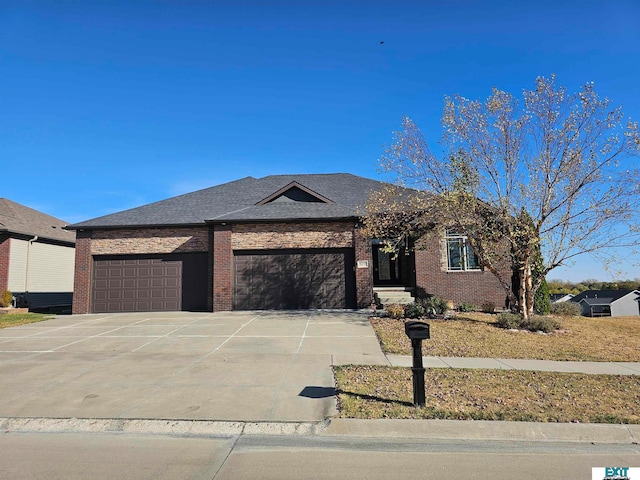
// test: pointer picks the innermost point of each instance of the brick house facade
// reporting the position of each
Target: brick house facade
(299, 248)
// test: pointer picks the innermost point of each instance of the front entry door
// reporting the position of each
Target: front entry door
(386, 269)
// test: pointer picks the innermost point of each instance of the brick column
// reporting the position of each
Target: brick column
(5, 242)
(83, 273)
(210, 270)
(222, 268)
(364, 276)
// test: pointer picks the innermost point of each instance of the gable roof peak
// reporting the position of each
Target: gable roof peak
(295, 192)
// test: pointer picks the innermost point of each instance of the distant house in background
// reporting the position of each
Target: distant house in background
(560, 297)
(605, 303)
(37, 257)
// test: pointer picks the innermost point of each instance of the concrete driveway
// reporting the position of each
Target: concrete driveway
(251, 366)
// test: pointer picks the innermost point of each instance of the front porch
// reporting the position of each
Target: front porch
(393, 275)
(386, 295)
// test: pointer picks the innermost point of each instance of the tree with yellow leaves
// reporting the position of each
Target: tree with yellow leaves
(554, 173)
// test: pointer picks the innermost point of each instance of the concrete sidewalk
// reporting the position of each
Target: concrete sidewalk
(608, 368)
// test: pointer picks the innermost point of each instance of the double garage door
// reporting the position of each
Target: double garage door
(156, 283)
(294, 279)
(262, 280)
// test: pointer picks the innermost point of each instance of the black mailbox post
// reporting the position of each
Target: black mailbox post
(417, 331)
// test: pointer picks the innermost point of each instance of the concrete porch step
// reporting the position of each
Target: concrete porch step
(385, 296)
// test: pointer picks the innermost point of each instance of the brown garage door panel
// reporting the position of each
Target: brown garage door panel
(163, 283)
(294, 279)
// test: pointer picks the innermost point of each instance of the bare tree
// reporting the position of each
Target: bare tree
(555, 172)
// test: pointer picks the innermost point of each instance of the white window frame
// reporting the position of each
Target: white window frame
(466, 254)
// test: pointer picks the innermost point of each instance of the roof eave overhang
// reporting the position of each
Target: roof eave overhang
(81, 228)
(222, 221)
(31, 236)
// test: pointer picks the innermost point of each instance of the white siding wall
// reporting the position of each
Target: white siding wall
(625, 306)
(50, 267)
(17, 265)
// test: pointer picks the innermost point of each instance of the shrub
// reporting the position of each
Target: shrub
(435, 304)
(488, 307)
(541, 302)
(542, 324)
(414, 310)
(6, 299)
(395, 310)
(509, 320)
(534, 324)
(566, 309)
(466, 307)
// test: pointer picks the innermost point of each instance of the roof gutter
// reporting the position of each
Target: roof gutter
(282, 220)
(81, 228)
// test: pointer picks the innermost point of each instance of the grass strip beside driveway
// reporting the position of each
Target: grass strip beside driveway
(604, 339)
(15, 319)
(375, 392)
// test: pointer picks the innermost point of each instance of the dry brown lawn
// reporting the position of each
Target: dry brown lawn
(606, 339)
(483, 394)
(386, 392)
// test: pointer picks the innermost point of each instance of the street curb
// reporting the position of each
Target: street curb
(339, 427)
(484, 430)
(158, 427)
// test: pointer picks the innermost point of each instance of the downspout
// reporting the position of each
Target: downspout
(26, 276)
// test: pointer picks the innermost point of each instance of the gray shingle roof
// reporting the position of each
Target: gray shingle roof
(237, 201)
(600, 297)
(17, 218)
(597, 301)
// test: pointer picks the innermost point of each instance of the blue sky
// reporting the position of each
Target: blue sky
(107, 105)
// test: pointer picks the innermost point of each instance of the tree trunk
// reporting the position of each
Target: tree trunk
(530, 293)
(525, 290)
(522, 293)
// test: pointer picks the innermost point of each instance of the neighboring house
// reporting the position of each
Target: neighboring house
(36, 257)
(560, 297)
(278, 242)
(604, 303)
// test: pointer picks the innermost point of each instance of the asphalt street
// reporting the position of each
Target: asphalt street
(68, 456)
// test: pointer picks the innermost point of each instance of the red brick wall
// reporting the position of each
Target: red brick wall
(5, 243)
(210, 269)
(477, 287)
(82, 279)
(222, 268)
(364, 277)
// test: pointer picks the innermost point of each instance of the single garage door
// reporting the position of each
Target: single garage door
(294, 279)
(134, 283)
